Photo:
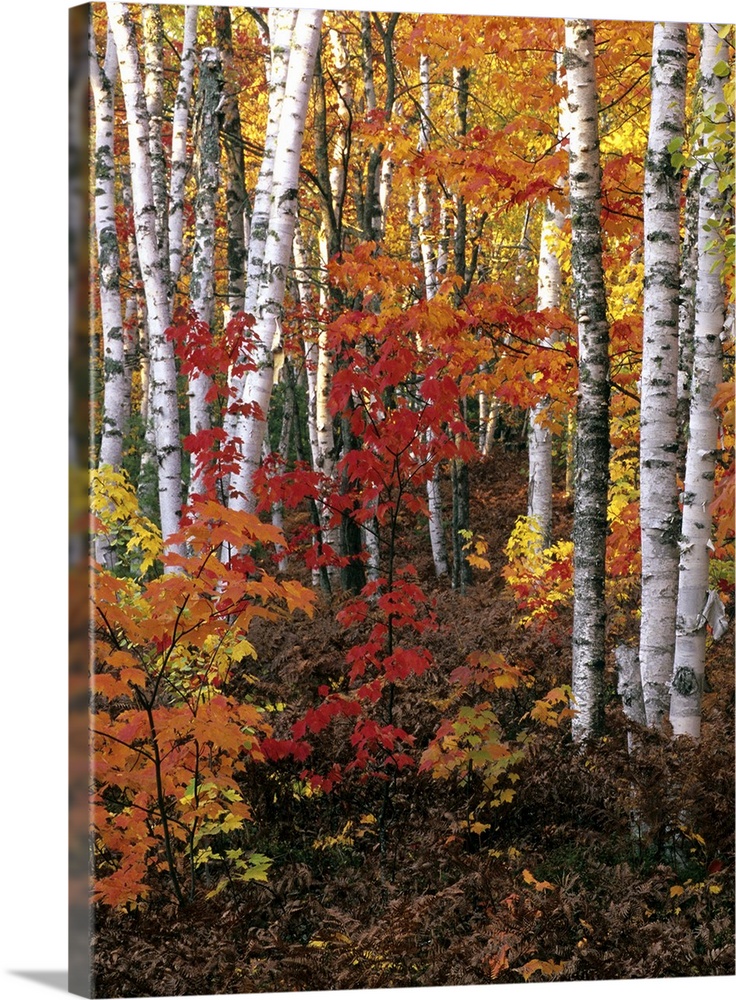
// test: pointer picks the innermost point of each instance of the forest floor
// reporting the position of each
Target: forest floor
(603, 864)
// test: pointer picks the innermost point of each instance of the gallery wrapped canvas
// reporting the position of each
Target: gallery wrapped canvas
(402, 525)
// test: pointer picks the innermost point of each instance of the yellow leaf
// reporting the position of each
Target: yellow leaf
(715, 889)
(243, 649)
(676, 890)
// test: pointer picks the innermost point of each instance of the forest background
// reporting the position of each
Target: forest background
(33, 180)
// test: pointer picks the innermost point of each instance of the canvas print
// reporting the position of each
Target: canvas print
(409, 482)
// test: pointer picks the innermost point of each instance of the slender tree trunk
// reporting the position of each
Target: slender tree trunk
(659, 509)
(154, 271)
(202, 279)
(304, 288)
(281, 29)
(549, 295)
(539, 495)
(278, 247)
(115, 392)
(179, 157)
(153, 86)
(592, 441)
(236, 198)
(686, 315)
(421, 211)
(629, 688)
(693, 605)
(462, 574)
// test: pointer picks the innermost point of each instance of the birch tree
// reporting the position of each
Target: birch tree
(202, 279)
(277, 251)
(236, 197)
(696, 606)
(154, 272)
(153, 86)
(281, 28)
(549, 295)
(591, 464)
(549, 288)
(659, 509)
(429, 264)
(179, 158)
(102, 80)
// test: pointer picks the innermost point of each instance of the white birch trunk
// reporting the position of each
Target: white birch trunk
(164, 404)
(281, 25)
(344, 112)
(549, 294)
(549, 290)
(710, 316)
(236, 197)
(592, 442)
(420, 219)
(628, 686)
(202, 280)
(115, 391)
(659, 511)
(424, 203)
(179, 158)
(311, 350)
(277, 253)
(153, 87)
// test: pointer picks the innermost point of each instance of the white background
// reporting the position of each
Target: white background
(33, 489)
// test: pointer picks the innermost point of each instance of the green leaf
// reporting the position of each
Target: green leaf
(721, 68)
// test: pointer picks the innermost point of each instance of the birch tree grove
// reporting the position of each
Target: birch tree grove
(658, 441)
(591, 455)
(351, 271)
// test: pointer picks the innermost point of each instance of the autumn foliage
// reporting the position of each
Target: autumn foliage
(318, 762)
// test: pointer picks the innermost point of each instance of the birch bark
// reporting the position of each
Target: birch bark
(549, 287)
(153, 87)
(236, 198)
(549, 294)
(281, 28)
(202, 279)
(592, 444)
(659, 509)
(179, 158)
(277, 252)
(429, 263)
(164, 405)
(693, 605)
(102, 79)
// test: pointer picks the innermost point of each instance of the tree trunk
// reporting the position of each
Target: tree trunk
(277, 253)
(179, 158)
(549, 295)
(592, 442)
(115, 390)
(710, 316)
(236, 198)
(154, 269)
(686, 315)
(659, 510)
(421, 211)
(202, 279)
(153, 87)
(281, 25)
